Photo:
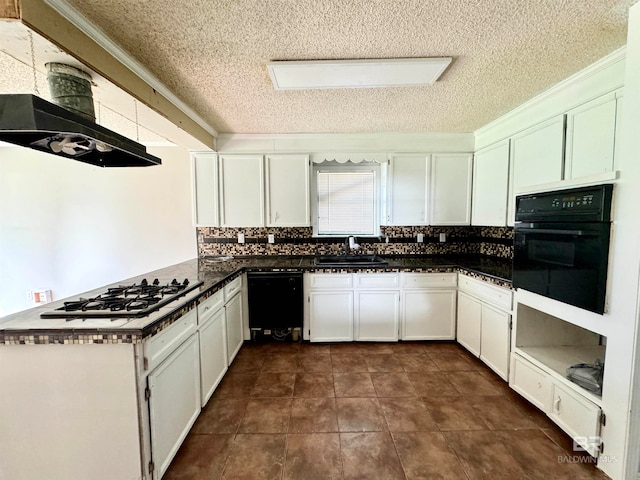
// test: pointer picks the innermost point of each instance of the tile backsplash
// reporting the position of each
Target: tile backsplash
(396, 240)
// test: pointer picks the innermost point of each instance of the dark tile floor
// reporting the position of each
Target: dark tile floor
(419, 410)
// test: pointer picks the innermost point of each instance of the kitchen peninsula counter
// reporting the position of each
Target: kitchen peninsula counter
(27, 327)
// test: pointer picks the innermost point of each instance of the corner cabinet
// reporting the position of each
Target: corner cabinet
(204, 171)
(241, 190)
(484, 322)
(428, 309)
(491, 185)
(450, 189)
(287, 190)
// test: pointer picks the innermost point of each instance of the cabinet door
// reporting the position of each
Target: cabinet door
(174, 403)
(590, 137)
(450, 189)
(577, 416)
(213, 353)
(377, 316)
(331, 316)
(530, 382)
(616, 142)
(491, 186)
(428, 315)
(287, 190)
(408, 190)
(469, 323)
(537, 156)
(233, 314)
(241, 191)
(205, 189)
(495, 340)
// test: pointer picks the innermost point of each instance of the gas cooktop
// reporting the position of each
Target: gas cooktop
(135, 300)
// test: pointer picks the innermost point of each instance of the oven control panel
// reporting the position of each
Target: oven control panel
(582, 204)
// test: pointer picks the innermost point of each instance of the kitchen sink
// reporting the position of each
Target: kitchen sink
(349, 260)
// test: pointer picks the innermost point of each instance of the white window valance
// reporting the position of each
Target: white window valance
(349, 157)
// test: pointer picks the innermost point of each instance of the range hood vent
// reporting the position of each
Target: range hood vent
(32, 122)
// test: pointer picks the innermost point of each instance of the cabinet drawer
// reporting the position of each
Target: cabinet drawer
(232, 288)
(577, 416)
(530, 382)
(377, 280)
(498, 296)
(428, 280)
(161, 345)
(330, 281)
(209, 306)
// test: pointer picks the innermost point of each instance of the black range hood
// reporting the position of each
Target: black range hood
(32, 122)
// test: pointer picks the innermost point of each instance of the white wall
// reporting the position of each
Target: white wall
(72, 227)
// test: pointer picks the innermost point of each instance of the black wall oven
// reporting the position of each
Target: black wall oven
(561, 245)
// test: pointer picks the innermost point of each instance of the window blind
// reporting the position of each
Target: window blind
(346, 202)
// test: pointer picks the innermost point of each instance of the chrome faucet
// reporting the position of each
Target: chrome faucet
(350, 245)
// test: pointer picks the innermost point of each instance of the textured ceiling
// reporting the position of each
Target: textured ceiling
(213, 55)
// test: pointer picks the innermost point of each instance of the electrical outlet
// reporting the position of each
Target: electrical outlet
(386, 239)
(29, 295)
(241, 238)
(421, 238)
(271, 238)
(443, 237)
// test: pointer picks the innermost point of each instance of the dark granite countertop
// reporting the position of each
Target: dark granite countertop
(27, 327)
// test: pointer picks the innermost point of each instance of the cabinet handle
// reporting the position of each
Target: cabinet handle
(539, 385)
(556, 406)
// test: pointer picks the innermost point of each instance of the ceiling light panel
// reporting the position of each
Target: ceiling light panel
(326, 74)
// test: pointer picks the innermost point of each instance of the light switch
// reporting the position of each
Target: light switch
(241, 238)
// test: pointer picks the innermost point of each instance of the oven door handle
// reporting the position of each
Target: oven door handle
(553, 231)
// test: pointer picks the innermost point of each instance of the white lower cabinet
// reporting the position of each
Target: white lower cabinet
(381, 307)
(574, 413)
(577, 416)
(174, 402)
(530, 382)
(495, 339)
(331, 316)
(377, 316)
(235, 326)
(428, 309)
(428, 315)
(484, 322)
(213, 352)
(469, 323)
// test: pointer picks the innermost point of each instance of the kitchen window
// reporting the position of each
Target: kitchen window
(346, 200)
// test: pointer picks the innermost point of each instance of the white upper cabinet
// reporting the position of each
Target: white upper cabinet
(591, 132)
(491, 185)
(205, 189)
(537, 156)
(450, 189)
(287, 189)
(408, 189)
(241, 191)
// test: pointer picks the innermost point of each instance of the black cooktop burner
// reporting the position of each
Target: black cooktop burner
(136, 300)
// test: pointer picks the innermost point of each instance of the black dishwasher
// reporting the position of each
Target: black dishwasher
(275, 305)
